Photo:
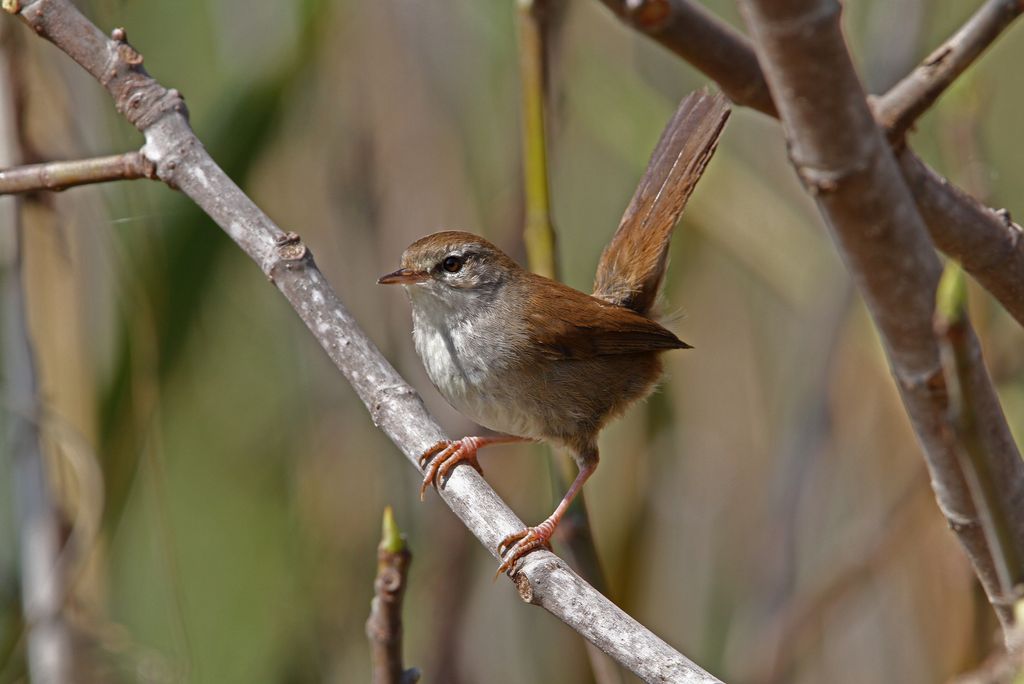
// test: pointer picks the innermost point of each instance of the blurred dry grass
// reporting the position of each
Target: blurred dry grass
(766, 511)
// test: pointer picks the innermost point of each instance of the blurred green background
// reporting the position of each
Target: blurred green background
(766, 511)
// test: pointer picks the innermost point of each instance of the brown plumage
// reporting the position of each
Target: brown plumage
(535, 359)
(595, 329)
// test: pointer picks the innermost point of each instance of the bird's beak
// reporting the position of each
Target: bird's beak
(403, 276)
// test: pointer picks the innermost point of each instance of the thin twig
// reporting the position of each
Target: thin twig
(56, 176)
(43, 579)
(901, 106)
(726, 56)
(845, 163)
(182, 162)
(384, 626)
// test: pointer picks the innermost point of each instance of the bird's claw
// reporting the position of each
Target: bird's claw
(518, 544)
(440, 458)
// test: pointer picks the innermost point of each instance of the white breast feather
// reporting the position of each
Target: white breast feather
(468, 372)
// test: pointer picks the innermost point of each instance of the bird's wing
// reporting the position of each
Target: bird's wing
(596, 328)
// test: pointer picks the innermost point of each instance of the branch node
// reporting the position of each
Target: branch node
(523, 586)
(138, 97)
(938, 56)
(148, 167)
(290, 246)
(932, 381)
(289, 238)
(129, 55)
(824, 181)
(389, 581)
(821, 181)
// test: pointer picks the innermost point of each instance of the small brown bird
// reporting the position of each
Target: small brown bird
(534, 359)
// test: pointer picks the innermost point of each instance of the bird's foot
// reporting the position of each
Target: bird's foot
(518, 544)
(445, 455)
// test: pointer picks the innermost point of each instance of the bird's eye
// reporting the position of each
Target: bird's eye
(452, 264)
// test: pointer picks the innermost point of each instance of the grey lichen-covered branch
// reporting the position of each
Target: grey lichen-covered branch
(182, 162)
(846, 164)
(979, 237)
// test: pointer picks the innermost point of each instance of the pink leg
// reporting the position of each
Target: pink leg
(518, 544)
(440, 458)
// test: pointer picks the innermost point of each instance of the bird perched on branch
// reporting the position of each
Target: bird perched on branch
(533, 359)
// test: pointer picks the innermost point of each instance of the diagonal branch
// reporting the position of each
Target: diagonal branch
(181, 161)
(844, 161)
(899, 108)
(726, 56)
(56, 176)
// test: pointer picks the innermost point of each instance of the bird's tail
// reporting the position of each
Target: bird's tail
(633, 264)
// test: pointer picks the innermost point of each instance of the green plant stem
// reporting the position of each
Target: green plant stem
(539, 232)
(959, 355)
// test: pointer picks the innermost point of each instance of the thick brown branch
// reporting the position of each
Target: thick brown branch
(182, 162)
(899, 108)
(843, 159)
(728, 58)
(59, 175)
(706, 42)
(986, 242)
